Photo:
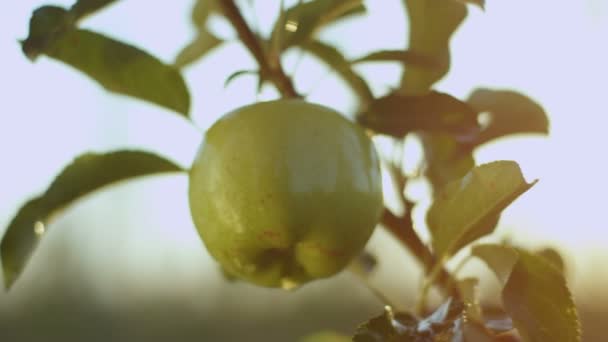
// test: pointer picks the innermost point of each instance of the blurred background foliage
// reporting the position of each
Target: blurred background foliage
(126, 263)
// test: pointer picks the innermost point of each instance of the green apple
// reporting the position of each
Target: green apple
(284, 192)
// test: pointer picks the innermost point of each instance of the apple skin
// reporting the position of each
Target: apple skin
(284, 192)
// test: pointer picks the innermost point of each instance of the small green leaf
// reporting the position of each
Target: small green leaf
(398, 115)
(467, 209)
(539, 302)
(499, 258)
(84, 175)
(84, 8)
(300, 23)
(400, 56)
(432, 24)
(509, 113)
(334, 59)
(204, 42)
(238, 74)
(326, 336)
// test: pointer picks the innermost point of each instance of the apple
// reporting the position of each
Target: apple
(284, 192)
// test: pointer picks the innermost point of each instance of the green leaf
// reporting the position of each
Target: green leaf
(400, 56)
(84, 8)
(509, 113)
(499, 258)
(85, 174)
(539, 302)
(204, 41)
(300, 23)
(118, 67)
(47, 24)
(238, 74)
(534, 295)
(432, 24)
(467, 209)
(326, 336)
(335, 60)
(447, 159)
(398, 115)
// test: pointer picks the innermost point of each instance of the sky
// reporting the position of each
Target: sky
(552, 50)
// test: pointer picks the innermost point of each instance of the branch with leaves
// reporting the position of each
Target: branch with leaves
(468, 200)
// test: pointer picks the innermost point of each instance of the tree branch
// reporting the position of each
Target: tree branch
(403, 229)
(273, 71)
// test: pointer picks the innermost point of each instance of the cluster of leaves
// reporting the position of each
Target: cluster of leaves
(468, 199)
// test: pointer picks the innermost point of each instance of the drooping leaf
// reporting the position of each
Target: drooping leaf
(398, 115)
(539, 302)
(299, 24)
(499, 258)
(432, 24)
(334, 59)
(117, 66)
(466, 209)
(83, 8)
(443, 324)
(204, 41)
(535, 294)
(400, 56)
(84, 175)
(446, 159)
(509, 113)
(326, 336)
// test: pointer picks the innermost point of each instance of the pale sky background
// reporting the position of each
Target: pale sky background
(552, 50)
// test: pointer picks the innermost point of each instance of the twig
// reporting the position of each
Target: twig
(273, 71)
(403, 229)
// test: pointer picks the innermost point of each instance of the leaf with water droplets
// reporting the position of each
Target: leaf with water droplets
(85, 174)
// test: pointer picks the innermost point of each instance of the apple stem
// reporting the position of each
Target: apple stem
(272, 71)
